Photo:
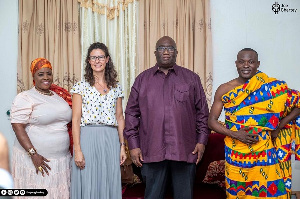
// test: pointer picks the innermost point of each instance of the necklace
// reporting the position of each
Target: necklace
(97, 82)
(44, 93)
(104, 89)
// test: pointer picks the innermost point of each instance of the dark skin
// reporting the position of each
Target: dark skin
(43, 79)
(247, 64)
(165, 61)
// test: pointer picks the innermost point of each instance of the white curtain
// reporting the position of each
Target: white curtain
(114, 23)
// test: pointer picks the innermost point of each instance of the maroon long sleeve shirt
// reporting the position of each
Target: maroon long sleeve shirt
(166, 115)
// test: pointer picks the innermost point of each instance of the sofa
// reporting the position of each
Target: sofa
(209, 179)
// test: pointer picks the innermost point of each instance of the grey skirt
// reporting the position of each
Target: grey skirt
(101, 177)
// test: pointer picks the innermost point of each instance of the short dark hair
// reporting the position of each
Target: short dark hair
(249, 49)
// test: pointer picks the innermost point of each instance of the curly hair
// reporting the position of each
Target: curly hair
(110, 72)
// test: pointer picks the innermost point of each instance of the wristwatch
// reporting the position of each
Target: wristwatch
(122, 144)
(31, 151)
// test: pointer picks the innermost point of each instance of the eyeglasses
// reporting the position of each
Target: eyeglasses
(100, 58)
(162, 49)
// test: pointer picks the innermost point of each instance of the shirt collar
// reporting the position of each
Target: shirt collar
(175, 68)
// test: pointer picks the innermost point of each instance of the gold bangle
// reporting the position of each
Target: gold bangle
(31, 151)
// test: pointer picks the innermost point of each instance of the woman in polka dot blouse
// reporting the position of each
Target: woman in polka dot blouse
(98, 125)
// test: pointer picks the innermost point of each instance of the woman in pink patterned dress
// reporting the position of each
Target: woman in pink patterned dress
(39, 117)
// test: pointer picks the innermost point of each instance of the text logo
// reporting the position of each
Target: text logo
(283, 8)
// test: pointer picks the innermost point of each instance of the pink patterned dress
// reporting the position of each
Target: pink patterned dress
(46, 118)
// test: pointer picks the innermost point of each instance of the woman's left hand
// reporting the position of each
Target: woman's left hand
(123, 155)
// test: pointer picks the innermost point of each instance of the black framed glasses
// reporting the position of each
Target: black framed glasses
(162, 49)
(100, 58)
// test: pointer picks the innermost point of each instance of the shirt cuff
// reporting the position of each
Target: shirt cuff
(203, 137)
(133, 143)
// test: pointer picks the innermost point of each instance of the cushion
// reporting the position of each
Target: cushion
(216, 173)
(214, 151)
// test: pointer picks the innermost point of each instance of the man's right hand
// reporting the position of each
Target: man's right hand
(245, 137)
(136, 156)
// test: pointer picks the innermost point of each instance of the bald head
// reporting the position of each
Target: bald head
(165, 38)
(249, 50)
(166, 52)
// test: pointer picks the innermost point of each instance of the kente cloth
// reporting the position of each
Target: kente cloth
(39, 63)
(288, 140)
(253, 171)
(63, 93)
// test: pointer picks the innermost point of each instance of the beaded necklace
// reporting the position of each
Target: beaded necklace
(44, 93)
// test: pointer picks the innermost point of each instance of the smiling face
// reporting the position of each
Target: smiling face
(43, 79)
(166, 58)
(247, 64)
(98, 60)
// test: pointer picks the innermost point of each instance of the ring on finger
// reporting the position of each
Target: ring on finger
(40, 168)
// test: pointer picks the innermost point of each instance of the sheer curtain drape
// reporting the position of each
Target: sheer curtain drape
(188, 23)
(113, 23)
(50, 29)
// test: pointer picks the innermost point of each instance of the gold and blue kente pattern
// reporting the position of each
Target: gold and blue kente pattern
(254, 171)
(288, 140)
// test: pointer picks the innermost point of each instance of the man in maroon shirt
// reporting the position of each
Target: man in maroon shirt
(166, 123)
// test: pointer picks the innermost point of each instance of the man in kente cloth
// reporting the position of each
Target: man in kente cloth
(257, 107)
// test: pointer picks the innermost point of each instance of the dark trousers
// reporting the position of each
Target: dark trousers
(155, 175)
